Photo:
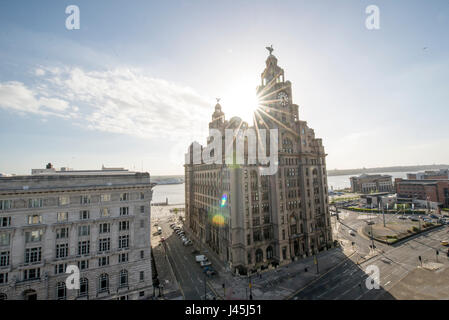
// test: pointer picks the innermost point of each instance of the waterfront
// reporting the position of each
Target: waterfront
(175, 192)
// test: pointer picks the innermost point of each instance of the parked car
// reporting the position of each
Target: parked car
(402, 218)
(205, 263)
(414, 219)
(352, 233)
(162, 239)
(188, 242)
(200, 258)
(195, 251)
(445, 243)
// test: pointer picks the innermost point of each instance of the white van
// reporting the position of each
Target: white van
(200, 258)
(159, 230)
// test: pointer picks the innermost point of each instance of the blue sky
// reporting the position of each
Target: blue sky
(138, 81)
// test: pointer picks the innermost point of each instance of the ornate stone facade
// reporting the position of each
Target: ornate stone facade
(96, 220)
(251, 220)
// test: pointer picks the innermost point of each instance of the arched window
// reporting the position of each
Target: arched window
(103, 282)
(259, 255)
(123, 278)
(3, 296)
(269, 252)
(84, 287)
(60, 291)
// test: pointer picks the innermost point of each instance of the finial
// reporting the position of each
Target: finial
(218, 99)
(270, 49)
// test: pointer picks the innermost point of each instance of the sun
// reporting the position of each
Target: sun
(241, 101)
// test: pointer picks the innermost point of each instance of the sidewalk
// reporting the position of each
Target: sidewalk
(279, 283)
(166, 278)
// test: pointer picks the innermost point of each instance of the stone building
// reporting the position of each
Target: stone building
(366, 183)
(98, 221)
(253, 220)
(426, 192)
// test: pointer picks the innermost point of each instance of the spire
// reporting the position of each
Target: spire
(272, 69)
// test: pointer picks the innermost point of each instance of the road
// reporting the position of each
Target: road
(187, 271)
(348, 281)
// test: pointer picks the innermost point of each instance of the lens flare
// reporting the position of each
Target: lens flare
(224, 200)
(218, 220)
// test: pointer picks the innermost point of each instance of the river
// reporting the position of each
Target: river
(175, 192)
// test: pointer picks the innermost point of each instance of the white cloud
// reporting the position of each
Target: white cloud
(121, 100)
(16, 96)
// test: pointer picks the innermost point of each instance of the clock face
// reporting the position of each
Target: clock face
(283, 98)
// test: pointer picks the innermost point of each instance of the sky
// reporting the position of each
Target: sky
(137, 83)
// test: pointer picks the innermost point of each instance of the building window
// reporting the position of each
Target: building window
(103, 261)
(3, 279)
(104, 244)
(34, 236)
(3, 296)
(123, 242)
(259, 255)
(123, 225)
(124, 211)
(62, 250)
(35, 203)
(142, 195)
(142, 223)
(31, 274)
(83, 231)
(64, 200)
(60, 291)
(85, 199)
(5, 222)
(104, 212)
(124, 196)
(249, 258)
(123, 257)
(141, 294)
(83, 264)
(83, 247)
(142, 275)
(142, 209)
(4, 239)
(105, 197)
(84, 215)
(62, 233)
(63, 216)
(103, 285)
(142, 254)
(105, 228)
(34, 219)
(123, 278)
(4, 258)
(84, 287)
(284, 253)
(60, 268)
(33, 255)
(5, 204)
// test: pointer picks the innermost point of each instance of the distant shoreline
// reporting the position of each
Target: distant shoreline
(344, 172)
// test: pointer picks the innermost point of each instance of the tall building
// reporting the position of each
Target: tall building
(249, 219)
(366, 183)
(98, 221)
